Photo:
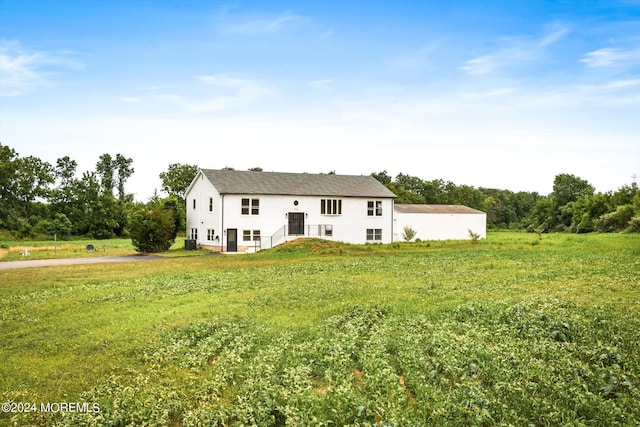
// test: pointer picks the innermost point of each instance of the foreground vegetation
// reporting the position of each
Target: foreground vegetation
(512, 330)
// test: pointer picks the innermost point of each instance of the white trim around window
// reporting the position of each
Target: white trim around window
(331, 206)
(374, 234)
(374, 208)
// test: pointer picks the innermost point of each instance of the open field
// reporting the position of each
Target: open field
(29, 249)
(508, 331)
(48, 249)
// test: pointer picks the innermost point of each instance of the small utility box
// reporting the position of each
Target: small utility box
(189, 244)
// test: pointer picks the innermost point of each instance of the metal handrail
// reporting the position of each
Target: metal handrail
(310, 230)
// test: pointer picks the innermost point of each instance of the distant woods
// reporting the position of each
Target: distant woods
(39, 199)
(573, 206)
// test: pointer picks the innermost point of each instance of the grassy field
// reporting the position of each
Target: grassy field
(511, 330)
(48, 249)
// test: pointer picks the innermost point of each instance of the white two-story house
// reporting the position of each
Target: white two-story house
(240, 211)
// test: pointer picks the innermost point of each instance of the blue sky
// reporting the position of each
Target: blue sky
(501, 94)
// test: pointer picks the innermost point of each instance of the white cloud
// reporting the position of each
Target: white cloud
(129, 99)
(513, 50)
(554, 36)
(225, 92)
(614, 85)
(323, 85)
(480, 65)
(516, 52)
(611, 57)
(260, 26)
(22, 70)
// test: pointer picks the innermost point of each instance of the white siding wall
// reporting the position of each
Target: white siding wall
(441, 226)
(201, 218)
(350, 226)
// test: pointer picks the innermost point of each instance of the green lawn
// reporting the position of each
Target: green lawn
(49, 249)
(511, 330)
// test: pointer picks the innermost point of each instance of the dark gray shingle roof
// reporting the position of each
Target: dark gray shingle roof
(295, 184)
(435, 209)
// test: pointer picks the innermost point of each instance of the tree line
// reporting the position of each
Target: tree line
(573, 205)
(39, 199)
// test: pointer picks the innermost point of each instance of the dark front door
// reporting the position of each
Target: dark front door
(296, 223)
(232, 240)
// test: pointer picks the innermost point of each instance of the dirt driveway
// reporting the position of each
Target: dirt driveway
(12, 265)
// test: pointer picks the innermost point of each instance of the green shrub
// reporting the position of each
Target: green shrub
(152, 229)
(615, 221)
(633, 225)
(408, 234)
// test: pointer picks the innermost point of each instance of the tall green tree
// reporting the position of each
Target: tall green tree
(105, 169)
(585, 211)
(8, 171)
(432, 191)
(90, 208)
(61, 198)
(177, 179)
(383, 177)
(125, 170)
(569, 188)
(33, 179)
(624, 196)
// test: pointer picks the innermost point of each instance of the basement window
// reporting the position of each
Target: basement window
(250, 235)
(374, 234)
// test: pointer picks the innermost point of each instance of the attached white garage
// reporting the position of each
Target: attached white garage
(439, 222)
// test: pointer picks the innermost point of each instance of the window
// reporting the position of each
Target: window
(331, 206)
(211, 234)
(210, 204)
(194, 234)
(250, 206)
(249, 235)
(374, 208)
(374, 234)
(194, 203)
(328, 230)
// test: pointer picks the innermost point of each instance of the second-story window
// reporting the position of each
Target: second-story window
(210, 204)
(331, 206)
(250, 206)
(374, 208)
